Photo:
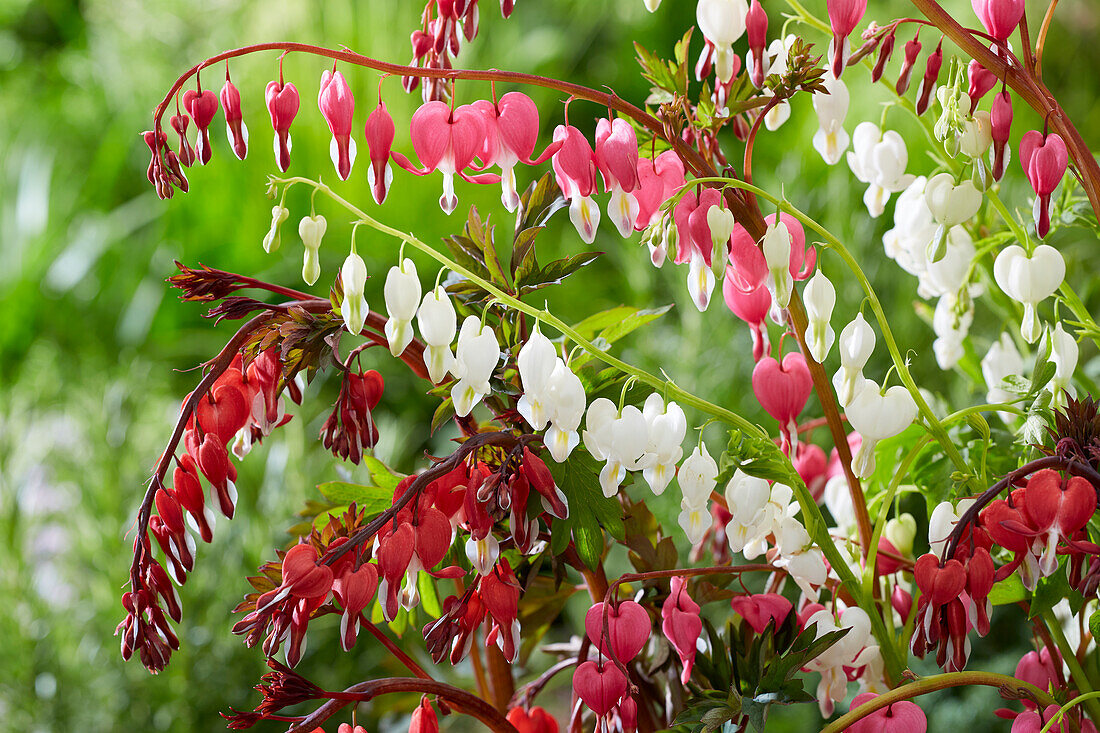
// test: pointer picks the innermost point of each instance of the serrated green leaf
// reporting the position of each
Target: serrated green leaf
(556, 271)
(589, 509)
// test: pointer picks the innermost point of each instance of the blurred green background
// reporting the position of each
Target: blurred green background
(94, 347)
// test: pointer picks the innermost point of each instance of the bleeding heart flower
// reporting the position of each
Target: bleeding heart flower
(1044, 159)
(844, 16)
(282, 105)
(878, 415)
(575, 167)
(681, 625)
(1029, 279)
(782, 390)
(337, 105)
(628, 628)
(303, 576)
(898, 717)
(354, 591)
(760, 609)
(1000, 17)
(617, 160)
(202, 106)
(379, 133)
(235, 129)
(445, 140)
(535, 720)
(600, 686)
(1059, 508)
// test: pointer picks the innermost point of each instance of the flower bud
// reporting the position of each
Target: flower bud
(1000, 120)
(402, 294)
(756, 23)
(912, 50)
(857, 341)
(721, 223)
(338, 107)
(1064, 353)
(820, 298)
(353, 276)
(777, 252)
(235, 129)
(282, 106)
(311, 229)
(979, 81)
(885, 51)
(272, 240)
(437, 321)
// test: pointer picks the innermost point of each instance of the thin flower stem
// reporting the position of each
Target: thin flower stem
(1057, 717)
(673, 391)
(1041, 40)
(887, 500)
(1081, 679)
(1009, 687)
(395, 650)
(458, 699)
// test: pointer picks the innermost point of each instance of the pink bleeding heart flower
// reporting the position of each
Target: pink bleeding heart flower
(1039, 669)
(202, 106)
(354, 590)
(681, 625)
(617, 160)
(379, 132)
(782, 390)
(337, 106)
(575, 167)
(751, 307)
(187, 153)
(980, 80)
(282, 106)
(1044, 159)
(658, 179)
(844, 15)
(760, 609)
(812, 466)
(600, 686)
(235, 129)
(628, 628)
(899, 717)
(511, 132)
(912, 50)
(1000, 17)
(445, 140)
(1000, 125)
(1030, 721)
(756, 27)
(749, 266)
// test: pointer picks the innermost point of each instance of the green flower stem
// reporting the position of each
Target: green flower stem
(933, 423)
(1009, 687)
(884, 510)
(1069, 655)
(671, 389)
(1057, 717)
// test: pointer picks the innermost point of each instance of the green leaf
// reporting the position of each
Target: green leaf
(656, 69)
(372, 499)
(1048, 591)
(1009, 590)
(524, 263)
(429, 598)
(538, 203)
(556, 271)
(589, 509)
(482, 235)
(1094, 624)
(613, 324)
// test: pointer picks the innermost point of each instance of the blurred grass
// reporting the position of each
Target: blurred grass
(91, 340)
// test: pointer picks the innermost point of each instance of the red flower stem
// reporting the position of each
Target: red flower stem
(1041, 41)
(396, 650)
(529, 691)
(456, 698)
(1030, 90)
(1010, 688)
(740, 208)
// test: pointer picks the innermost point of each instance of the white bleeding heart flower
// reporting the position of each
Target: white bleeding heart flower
(697, 477)
(476, 356)
(536, 361)
(951, 327)
(695, 521)
(777, 254)
(1002, 360)
(565, 402)
(948, 275)
(402, 294)
(620, 439)
(667, 429)
(819, 297)
(831, 139)
(483, 553)
(747, 501)
(775, 62)
(942, 522)
(438, 323)
(857, 342)
(722, 23)
(272, 239)
(1063, 354)
(721, 223)
(900, 531)
(878, 159)
(700, 281)
(354, 308)
(976, 136)
(311, 229)
(1029, 280)
(877, 415)
(950, 204)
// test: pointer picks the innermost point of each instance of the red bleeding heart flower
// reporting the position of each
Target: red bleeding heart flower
(202, 106)
(337, 106)
(1044, 159)
(235, 129)
(600, 686)
(681, 625)
(628, 628)
(282, 105)
(760, 609)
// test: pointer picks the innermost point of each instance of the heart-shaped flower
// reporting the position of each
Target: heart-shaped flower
(302, 574)
(628, 628)
(1029, 280)
(878, 415)
(600, 686)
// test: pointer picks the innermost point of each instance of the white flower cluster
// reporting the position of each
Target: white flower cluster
(646, 440)
(552, 394)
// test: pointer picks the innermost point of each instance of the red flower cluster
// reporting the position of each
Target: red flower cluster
(243, 404)
(350, 428)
